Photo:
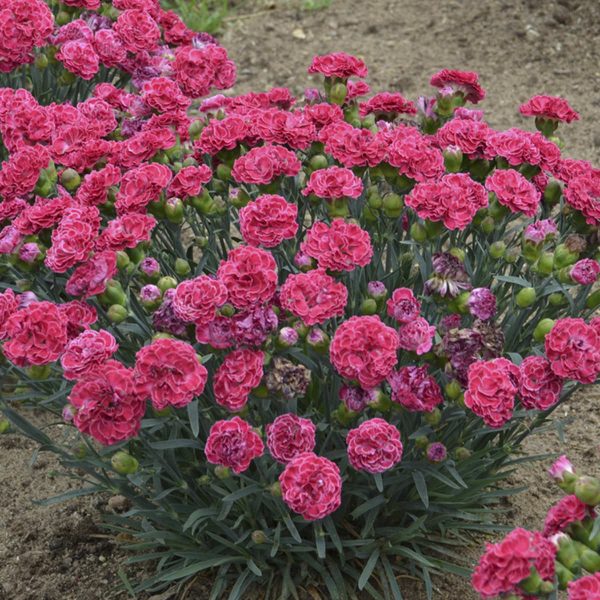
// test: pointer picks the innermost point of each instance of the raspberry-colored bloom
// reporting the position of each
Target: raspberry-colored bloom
(387, 105)
(363, 348)
(79, 316)
(549, 107)
(567, 510)
(289, 435)
(264, 164)
(465, 82)
(454, 199)
(573, 349)
(311, 485)
(506, 564)
(403, 307)
(233, 444)
(340, 246)
(165, 319)
(415, 389)
(416, 336)
(189, 181)
(107, 405)
(9, 304)
(491, 391)
(79, 57)
(482, 303)
(514, 191)
(197, 300)
(86, 353)
(586, 588)
(238, 375)
(338, 64)
(126, 232)
(540, 231)
(164, 95)
(583, 193)
(268, 221)
(90, 278)
(250, 276)
(314, 296)
(585, 271)
(137, 30)
(170, 373)
(374, 446)
(539, 387)
(95, 186)
(332, 183)
(467, 135)
(141, 186)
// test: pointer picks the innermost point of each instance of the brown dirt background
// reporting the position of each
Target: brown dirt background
(519, 48)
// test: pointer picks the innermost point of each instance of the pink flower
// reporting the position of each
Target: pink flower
(79, 57)
(137, 30)
(540, 231)
(339, 247)
(188, 182)
(585, 271)
(268, 221)
(374, 446)
(467, 135)
(549, 107)
(491, 391)
(233, 444)
(311, 485)
(363, 348)
(87, 353)
(164, 95)
(403, 307)
(338, 64)
(107, 405)
(514, 191)
(569, 509)
(238, 375)
(8, 306)
(586, 588)
(289, 435)
(573, 349)
(482, 304)
(197, 300)
(90, 278)
(465, 82)
(416, 336)
(583, 193)
(170, 373)
(387, 105)
(36, 335)
(264, 164)
(415, 389)
(539, 387)
(560, 467)
(250, 276)
(333, 183)
(436, 452)
(506, 564)
(313, 296)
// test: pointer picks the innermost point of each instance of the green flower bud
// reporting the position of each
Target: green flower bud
(453, 160)
(166, 283)
(338, 207)
(563, 575)
(368, 307)
(275, 489)
(480, 168)
(567, 554)
(542, 329)
(557, 299)
(113, 294)
(462, 453)
(196, 128)
(462, 302)
(552, 193)
(593, 300)
(41, 61)
(497, 250)
(259, 537)
(496, 210)
(587, 489)
(453, 389)
(222, 472)
(174, 210)
(433, 418)
(532, 584)
(545, 263)
(318, 161)
(531, 252)
(124, 464)
(589, 559)
(421, 442)
(223, 172)
(338, 93)
(122, 259)
(418, 233)
(70, 179)
(182, 267)
(511, 256)
(204, 480)
(240, 199)
(392, 204)
(117, 313)
(39, 372)
(204, 203)
(563, 257)
(136, 254)
(488, 225)
(227, 310)
(63, 17)
(526, 297)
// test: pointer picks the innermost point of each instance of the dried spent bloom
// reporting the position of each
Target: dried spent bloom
(286, 379)
(449, 276)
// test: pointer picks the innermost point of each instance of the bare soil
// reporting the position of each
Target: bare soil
(520, 48)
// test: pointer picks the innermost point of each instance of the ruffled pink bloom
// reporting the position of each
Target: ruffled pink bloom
(415, 389)
(569, 509)
(539, 387)
(86, 353)
(586, 588)
(416, 336)
(585, 271)
(514, 191)
(465, 82)
(374, 446)
(289, 435)
(333, 183)
(403, 307)
(338, 64)
(549, 107)
(238, 375)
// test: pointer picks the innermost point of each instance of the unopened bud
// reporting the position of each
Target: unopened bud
(166, 283)
(433, 418)
(182, 267)
(287, 337)
(453, 159)
(4, 426)
(338, 93)
(259, 537)
(124, 463)
(587, 489)
(418, 233)
(368, 307)
(552, 193)
(542, 329)
(70, 179)
(174, 210)
(117, 313)
(222, 472)
(462, 453)
(526, 297)
(318, 161)
(497, 250)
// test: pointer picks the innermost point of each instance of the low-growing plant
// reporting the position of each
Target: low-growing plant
(304, 338)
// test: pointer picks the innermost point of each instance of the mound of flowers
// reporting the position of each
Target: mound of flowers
(303, 337)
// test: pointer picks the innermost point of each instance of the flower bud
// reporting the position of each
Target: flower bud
(480, 168)
(117, 313)
(196, 128)
(512, 255)
(589, 559)
(526, 297)
(338, 93)
(497, 250)
(318, 161)
(41, 61)
(563, 575)
(259, 537)
(38, 372)
(421, 442)
(275, 489)
(317, 339)
(70, 179)
(562, 472)
(436, 452)
(62, 18)
(563, 257)
(462, 453)
(488, 225)
(453, 159)
(377, 290)
(227, 310)
(582, 531)
(182, 267)
(287, 337)
(587, 489)
(593, 300)
(453, 389)
(433, 418)
(166, 283)
(203, 480)
(113, 294)
(368, 307)
(418, 233)
(174, 210)
(392, 205)
(557, 299)
(123, 260)
(150, 296)
(222, 472)
(545, 263)
(124, 464)
(542, 329)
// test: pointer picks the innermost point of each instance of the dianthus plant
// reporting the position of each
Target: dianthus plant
(303, 337)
